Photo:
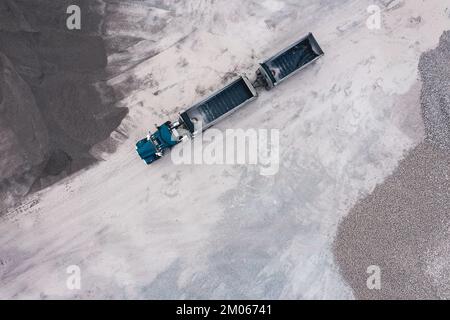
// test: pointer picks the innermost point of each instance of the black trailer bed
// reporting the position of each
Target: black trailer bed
(290, 60)
(219, 105)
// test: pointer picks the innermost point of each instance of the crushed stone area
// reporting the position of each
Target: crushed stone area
(403, 225)
(434, 70)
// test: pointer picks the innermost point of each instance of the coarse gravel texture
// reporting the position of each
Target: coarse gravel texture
(403, 226)
(434, 69)
(51, 111)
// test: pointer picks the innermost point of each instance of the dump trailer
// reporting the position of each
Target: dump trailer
(224, 102)
(198, 118)
(289, 61)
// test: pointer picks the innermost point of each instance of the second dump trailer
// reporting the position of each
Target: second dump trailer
(289, 61)
(222, 103)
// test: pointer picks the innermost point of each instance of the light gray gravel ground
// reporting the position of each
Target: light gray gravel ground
(403, 226)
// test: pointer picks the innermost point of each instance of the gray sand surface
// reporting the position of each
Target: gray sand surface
(404, 225)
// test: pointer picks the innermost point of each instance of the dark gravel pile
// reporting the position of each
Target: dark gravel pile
(51, 113)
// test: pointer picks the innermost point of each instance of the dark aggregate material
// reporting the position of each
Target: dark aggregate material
(51, 113)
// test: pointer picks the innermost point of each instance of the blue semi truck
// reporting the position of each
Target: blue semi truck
(222, 103)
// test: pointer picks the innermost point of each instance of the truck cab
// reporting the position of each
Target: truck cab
(155, 144)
